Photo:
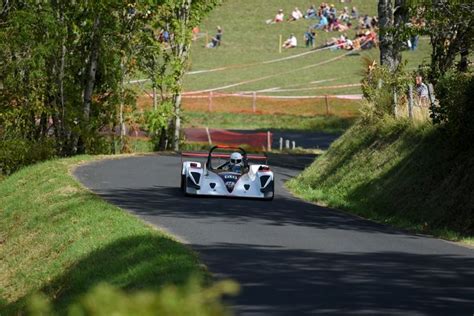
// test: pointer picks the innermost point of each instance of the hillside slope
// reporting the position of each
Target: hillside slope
(396, 173)
(248, 42)
(58, 238)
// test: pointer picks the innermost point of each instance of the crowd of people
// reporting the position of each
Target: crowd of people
(330, 19)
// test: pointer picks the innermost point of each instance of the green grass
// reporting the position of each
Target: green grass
(328, 124)
(247, 40)
(137, 145)
(399, 174)
(58, 238)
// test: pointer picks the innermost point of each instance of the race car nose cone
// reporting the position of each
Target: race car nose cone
(230, 185)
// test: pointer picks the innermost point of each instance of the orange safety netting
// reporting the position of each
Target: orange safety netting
(224, 137)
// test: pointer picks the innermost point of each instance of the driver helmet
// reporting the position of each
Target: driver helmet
(236, 159)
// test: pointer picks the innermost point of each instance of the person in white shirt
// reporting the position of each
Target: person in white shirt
(291, 42)
(295, 15)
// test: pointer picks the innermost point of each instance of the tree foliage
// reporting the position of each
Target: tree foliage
(64, 66)
(450, 25)
(170, 59)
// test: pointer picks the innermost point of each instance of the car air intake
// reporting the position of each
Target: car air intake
(212, 185)
(196, 176)
(247, 186)
(263, 180)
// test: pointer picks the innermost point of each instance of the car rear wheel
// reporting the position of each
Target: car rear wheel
(183, 183)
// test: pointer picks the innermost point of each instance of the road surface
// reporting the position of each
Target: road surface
(292, 257)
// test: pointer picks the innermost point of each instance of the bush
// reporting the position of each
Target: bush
(455, 92)
(378, 87)
(104, 299)
(16, 153)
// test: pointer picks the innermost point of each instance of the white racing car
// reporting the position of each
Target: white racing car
(233, 178)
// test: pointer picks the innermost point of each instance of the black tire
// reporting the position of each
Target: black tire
(183, 183)
(269, 198)
(270, 194)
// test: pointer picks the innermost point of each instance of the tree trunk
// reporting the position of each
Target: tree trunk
(122, 101)
(464, 62)
(386, 33)
(177, 121)
(392, 18)
(400, 18)
(155, 107)
(59, 124)
(92, 69)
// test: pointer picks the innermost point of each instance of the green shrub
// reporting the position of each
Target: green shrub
(16, 153)
(378, 87)
(104, 299)
(455, 92)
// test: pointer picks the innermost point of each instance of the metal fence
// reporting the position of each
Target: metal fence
(412, 106)
(340, 105)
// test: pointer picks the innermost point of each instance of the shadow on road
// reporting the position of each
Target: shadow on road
(296, 282)
(283, 210)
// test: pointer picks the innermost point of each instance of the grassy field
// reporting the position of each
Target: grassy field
(328, 124)
(62, 240)
(248, 40)
(396, 173)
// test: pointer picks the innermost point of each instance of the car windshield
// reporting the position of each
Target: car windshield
(221, 162)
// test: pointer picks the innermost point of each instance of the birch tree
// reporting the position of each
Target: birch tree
(393, 16)
(178, 18)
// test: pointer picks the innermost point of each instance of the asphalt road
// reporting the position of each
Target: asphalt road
(291, 257)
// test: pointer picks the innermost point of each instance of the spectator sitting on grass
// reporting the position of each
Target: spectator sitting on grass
(354, 13)
(279, 17)
(323, 23)
(311, 13)
(368, 40)
(367, 22)
(344, 17)
(333, 10)
(331, 22)
(291, 42)
(374, 22)
(342, 27)
(216, 40)
(324, 9)
(337, 43)
(295, 15)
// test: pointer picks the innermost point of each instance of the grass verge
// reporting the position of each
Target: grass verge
(328, 124)
(59, 239)
(396, 173)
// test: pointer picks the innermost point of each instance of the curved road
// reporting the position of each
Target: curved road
(292, 257)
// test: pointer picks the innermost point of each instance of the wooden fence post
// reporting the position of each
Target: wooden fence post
(410, 101)
(210, 102)
(254, 101)
(327, 104)
(208, 133)
(269, 141)
(395, 101)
